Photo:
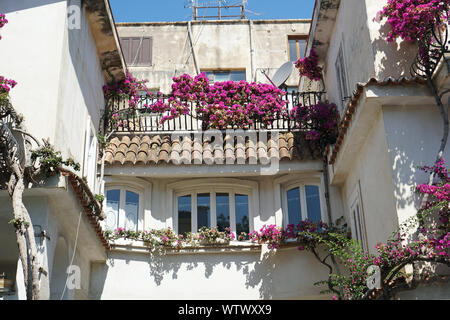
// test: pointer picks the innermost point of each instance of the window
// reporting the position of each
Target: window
(221, 207)
(341, 79)
(137, 50)
(302, 202)
(90, 155)
(357, 218)
(291, 96)
(220, 76)
(123, 208)
(297, 47)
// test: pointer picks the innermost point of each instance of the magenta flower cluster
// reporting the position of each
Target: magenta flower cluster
(412, 19)
(129, 88)
(3, 21)
(166, 238)
(438, 192)
(270, 234)
(223, 104)
(275, 236)
(6, 85)
(320, 121)
(309, 66)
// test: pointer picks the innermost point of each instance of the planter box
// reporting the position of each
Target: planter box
(219, 242)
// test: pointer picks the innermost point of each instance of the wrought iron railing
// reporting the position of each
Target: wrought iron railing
(432, 48)
(139, 120)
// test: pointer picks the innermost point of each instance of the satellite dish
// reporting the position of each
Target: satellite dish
(282, 74)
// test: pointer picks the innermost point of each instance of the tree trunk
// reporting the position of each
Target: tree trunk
(25, 237)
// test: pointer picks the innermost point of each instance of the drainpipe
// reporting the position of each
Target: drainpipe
(192, 48)
(328, 205)
(252, 53)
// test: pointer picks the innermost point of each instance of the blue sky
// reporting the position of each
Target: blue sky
(174, 10)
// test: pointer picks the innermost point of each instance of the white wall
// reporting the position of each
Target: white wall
(413, 135)
(288, 273)
(218, 45)
(58, 72)
(371, 168)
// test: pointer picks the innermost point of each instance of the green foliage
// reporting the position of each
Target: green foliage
(100, 198)
(18, 223)
(50, 159)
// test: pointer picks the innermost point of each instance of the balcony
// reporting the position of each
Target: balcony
(138, 120)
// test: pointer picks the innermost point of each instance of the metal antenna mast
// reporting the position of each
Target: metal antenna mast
(237, 9)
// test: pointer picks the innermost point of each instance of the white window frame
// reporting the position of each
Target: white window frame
(229, 71)
(123, 189)
(213, 186)
(358, 224)
(303, 203)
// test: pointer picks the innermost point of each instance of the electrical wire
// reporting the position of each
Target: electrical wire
(74, 252)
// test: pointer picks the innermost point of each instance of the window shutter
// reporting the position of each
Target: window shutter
(135, 52)
(125, 42)
(146, 51)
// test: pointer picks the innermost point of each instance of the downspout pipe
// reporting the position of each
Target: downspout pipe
(252, 52)
(194, 56)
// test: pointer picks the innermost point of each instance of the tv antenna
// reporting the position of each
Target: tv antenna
(225, 9)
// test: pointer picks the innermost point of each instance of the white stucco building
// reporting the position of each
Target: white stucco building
(61, 63)
(175, 176)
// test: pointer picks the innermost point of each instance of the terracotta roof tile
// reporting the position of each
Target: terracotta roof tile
(192, 149)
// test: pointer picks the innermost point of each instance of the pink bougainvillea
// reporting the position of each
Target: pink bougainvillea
(319, 121)
(411, 19)
(6, 84)
(3, 21)
(129, 88)
(222, 104)
(309, 66)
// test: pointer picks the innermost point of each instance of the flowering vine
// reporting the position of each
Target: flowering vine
(309, 66)
(129, 88)
(411, 19)
(431, 245)
(5, 87)
(223, 104)
(319, 121)
(3, 21)
(161, 239)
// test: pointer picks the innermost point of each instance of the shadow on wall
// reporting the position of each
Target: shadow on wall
(392, 59)
(405, 174)
(272, 275)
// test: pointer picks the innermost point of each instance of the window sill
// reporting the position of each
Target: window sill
(133, 246)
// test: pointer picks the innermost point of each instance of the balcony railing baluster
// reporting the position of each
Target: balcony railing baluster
(140, 120)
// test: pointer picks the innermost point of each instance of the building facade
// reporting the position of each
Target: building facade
(180, 177)
(60, 64)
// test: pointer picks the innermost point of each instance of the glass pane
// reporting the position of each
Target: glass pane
(294, 208)
(293, 50)
(223, 210)
(131, 210)
(112, 209)
(237, 75)
(184, 214)
(313, 203)
(221, 76)
(302, 47)
(203, 210)
(242, 216)
(210, 76)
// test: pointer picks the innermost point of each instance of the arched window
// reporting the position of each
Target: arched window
(123, 208)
